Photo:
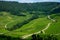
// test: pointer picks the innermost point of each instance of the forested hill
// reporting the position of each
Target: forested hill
(16, 7)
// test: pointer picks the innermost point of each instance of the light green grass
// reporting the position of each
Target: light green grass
(7, 18)
(55, 27)
(32, 27)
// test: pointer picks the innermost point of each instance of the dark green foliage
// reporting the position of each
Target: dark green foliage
(19, 25)
(4, 37)
(56, 10)
(44, 37)
(34, 37)
(15, 8)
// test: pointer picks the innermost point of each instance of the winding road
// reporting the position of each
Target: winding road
(43, 30)
(8, 23)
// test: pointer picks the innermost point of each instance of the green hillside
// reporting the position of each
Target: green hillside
(22, 20)
(16, 8)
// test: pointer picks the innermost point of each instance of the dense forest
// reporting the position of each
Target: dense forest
(17, 8)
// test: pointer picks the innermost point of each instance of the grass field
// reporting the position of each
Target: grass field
(8, 20)
(55, 27)
(32, 26)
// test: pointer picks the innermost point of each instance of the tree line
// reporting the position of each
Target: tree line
(19, 25)
(5, 37)
(44, 37)
(33, 37)
(16, 8)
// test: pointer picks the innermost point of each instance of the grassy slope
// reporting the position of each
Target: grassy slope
(6, 17)
(34, 26)
(31, 27)
(55, 27)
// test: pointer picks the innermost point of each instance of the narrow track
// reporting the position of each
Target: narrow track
(43, 30)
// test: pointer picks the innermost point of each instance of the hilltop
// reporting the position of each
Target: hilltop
(40, 7)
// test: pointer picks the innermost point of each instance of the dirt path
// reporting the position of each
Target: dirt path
(43, 30)
(8, 23)
(51, 18)
(46, 28)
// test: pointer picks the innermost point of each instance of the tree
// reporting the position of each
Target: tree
(34, 37)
